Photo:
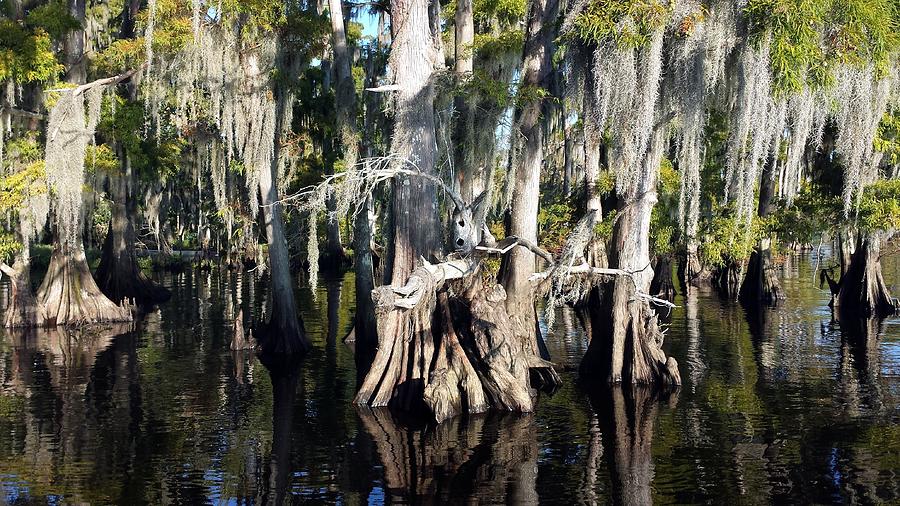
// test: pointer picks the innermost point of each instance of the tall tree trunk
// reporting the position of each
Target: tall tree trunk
(68, 293)
(284, 331)
(760, 282)
(626, 342)
(519, 263)
(593, 140)
(76, 66)
(414, 219)
(365, 336)
(413, 60)
(471, 183)
(118, 275)
(863, 292)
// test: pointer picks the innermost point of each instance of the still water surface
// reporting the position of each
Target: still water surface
(784, 406)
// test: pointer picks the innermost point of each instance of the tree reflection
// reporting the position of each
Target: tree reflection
(55, 374)
(284, 373)
(625, 416)
(483, 459)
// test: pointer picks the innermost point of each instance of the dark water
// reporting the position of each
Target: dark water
(781, 407)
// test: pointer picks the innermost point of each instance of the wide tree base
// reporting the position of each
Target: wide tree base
(23, 309)
(862, 290)
(626, 341)
(69, 295)
(449, 354)
(761, 284)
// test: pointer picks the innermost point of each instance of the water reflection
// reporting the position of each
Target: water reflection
(487, 458)
(780, 405)
(626, 417)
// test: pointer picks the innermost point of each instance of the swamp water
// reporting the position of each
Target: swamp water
(784, 406)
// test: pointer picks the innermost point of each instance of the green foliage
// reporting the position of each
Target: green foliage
(887, 139)
(629, 22)
(100, 158)
(52, 17)
(814, 212)
(24, 169)
(486, 89)
(26, 56)
(725, 239)
(506, 12)
(604, 228)
(489, 46)
(121, 55)
(858, 32)
(879, 208)
(555, 221)
(663, 222)
(9, 246)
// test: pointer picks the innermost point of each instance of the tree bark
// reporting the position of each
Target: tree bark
(345, 104)
(413, 60)
(471, 183)
(22, 309)
(284, 333)
(760, 281)
(118, 275)
(519, 264)
(863, 292)
(68, 294)
(626, 343)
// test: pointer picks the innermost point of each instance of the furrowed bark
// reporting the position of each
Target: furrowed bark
(519, 264)
(69, 295)
(760, 281)
(863, 292)
(626, 342)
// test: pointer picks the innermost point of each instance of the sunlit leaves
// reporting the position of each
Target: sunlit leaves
(629, 22)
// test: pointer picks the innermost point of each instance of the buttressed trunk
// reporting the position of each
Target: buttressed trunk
(414, 218)
(626, 342)
(439, 350)
(284, 333)
(760, 282)
(863, 292)
(118, 275)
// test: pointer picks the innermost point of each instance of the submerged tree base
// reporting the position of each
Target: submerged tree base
(760, 284)
(625, 339)
(862, 291)
(70, 296)
(449, 353)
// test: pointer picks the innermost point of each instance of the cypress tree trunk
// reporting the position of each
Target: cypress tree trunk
(519, 263)
(405, 345)
(68, 294)
(118, 275)
(760, 282)
(626, 340)
(471, 183)
(23, 310)
(284, 330)
(863, 292)
(441, 353)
